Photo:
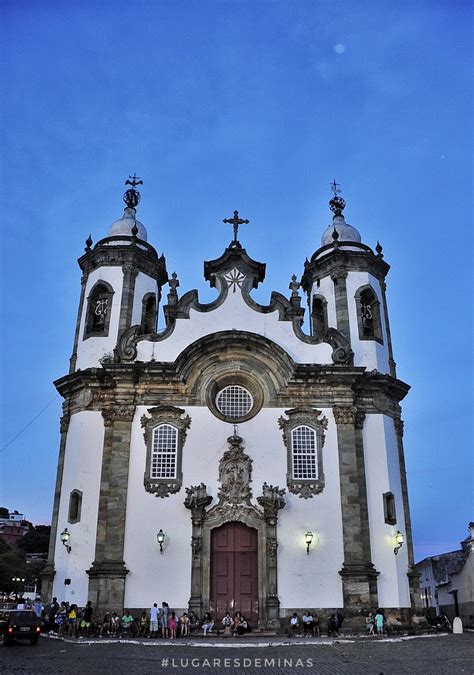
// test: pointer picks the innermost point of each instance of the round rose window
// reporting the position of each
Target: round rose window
(234, 401)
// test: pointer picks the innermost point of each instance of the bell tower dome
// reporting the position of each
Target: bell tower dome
(122, 278)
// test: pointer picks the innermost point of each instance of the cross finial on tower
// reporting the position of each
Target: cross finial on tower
(336, 204)
(131, 196)
(236, 221)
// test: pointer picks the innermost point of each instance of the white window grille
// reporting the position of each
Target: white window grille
(164, 452)
(234, 401)
(303, 447)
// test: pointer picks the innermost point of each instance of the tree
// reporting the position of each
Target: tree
(36, 540)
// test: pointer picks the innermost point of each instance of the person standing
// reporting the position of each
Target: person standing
(379, 622)
(52, 610)
(165, 613)
(154, 620)
(86, 622)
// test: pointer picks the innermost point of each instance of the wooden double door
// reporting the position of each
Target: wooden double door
(234, 571)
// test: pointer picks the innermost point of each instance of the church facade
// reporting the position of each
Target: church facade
(232, 461)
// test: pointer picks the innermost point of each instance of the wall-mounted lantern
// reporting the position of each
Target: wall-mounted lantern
(308, 538)
(399, 539)
(65, 536)
(160, 537)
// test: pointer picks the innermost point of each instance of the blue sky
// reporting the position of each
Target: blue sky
(254, 106)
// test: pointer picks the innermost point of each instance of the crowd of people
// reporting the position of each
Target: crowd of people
(69, 620)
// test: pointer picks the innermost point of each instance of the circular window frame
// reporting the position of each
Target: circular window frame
(248, 404)
(253, 387)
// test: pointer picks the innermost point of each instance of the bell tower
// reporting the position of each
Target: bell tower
(345, 283)
(122, 278)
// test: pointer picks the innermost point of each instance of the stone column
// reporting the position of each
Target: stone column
(359, 577)
(107, 573)
(128, 292)
(413, 575)
(47, 575)
(339, 277)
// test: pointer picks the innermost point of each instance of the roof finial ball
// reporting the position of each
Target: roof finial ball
(131, 197)
(337, 203)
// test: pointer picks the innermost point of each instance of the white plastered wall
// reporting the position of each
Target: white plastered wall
(369, 353)
(89, 351)
(312, 580)
(382, 470)
(233, 314)
(82, 471)
(143, 285)
(154, 577)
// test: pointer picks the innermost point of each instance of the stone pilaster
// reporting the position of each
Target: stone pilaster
(413, 575)
(73, 359)
(272, 501)
(47, 575)
(359, 577)
(107, 573)
(339, 276)
(196, 502)
(128, 291)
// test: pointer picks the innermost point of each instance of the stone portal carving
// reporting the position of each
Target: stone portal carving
(234, 504)
(235, 474)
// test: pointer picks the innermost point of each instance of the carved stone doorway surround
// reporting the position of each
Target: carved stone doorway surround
(234, 505)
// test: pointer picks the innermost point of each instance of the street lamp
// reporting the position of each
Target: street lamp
(160, 537)
(399, 538)
(308, 538)
(65, 536)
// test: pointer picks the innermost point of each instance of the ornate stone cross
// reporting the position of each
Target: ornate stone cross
(236, 221)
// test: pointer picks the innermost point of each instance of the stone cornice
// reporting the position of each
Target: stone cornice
(149, 384)
(127, 257)
(337, 260)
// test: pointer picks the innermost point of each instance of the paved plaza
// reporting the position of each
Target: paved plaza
(427, 655)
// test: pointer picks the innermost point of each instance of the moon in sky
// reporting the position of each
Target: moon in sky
(339, 48)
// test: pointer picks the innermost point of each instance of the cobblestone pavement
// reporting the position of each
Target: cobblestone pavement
(430, 655)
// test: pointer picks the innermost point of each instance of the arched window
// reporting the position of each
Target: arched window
(99, 308)
(75, 505)
(164, 452)
(149, 313)
(303, 453)
(368, 314)
(319, 316)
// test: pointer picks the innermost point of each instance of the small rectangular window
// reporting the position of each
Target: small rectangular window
(75, 505)
(389, 511)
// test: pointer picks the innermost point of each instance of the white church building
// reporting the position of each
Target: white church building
(232, 461)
